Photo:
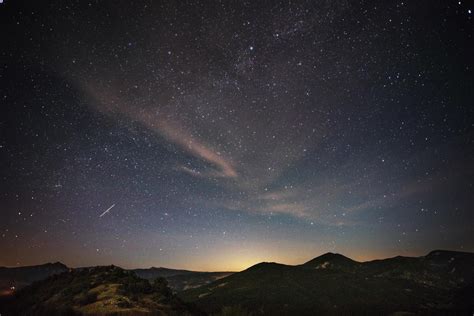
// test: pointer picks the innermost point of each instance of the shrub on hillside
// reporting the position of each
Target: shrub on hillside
(160, 285)
(85, 298)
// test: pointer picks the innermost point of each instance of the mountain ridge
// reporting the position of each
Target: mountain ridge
(14, 278)
(46, 264)
(335, 254)
(440, 281)
(334, 284)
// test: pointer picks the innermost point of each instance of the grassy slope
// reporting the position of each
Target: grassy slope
(98, 291)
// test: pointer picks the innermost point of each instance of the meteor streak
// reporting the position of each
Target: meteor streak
(107, 210)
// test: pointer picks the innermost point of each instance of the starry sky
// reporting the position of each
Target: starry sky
(212, 135)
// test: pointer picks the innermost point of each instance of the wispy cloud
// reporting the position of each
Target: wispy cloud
(254, 159)
(191, 144)
(248, 152)
(161, 122)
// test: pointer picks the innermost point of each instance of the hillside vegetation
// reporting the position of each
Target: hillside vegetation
(97, 291)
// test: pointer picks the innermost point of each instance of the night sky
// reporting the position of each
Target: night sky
(212, 135)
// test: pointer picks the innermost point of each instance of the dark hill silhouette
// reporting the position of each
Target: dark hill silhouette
(266, 266)
(19, 277)
(331, 261)
(440, 282)
(154, 272)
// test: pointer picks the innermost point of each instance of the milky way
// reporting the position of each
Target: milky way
(228, 133)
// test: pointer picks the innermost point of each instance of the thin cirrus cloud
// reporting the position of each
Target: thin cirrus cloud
(194, 146)
(107, 102)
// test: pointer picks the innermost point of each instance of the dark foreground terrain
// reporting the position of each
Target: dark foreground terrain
(178, 280)
(441, 282)
(96, 291)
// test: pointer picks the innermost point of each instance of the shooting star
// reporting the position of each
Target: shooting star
(107, 210)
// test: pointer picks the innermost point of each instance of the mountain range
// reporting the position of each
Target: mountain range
(442, 282)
